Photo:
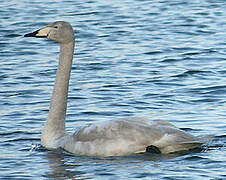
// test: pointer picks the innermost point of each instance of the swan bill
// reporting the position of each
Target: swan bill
(41, 33)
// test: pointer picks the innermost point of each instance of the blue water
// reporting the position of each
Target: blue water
(162, 59)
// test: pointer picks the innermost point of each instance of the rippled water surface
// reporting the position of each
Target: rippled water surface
(162, 59)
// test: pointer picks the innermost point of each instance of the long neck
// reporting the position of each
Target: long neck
(55, 124)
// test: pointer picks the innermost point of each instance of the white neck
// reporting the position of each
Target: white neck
(55, 125)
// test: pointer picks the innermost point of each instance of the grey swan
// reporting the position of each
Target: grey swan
(118, 137)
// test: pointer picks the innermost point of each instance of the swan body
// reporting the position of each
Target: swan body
(111, 138)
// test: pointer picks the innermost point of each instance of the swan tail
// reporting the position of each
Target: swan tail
(181, 147)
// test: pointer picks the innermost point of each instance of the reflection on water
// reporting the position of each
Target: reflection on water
(62, 165)
(60, 168)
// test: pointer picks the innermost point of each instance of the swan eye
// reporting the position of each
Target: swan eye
(56, 27)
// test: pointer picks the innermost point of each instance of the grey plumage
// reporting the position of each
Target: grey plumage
(110, 138)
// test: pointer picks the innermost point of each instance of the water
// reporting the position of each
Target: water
(162, 59)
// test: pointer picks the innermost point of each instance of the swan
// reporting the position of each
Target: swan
(109, 138)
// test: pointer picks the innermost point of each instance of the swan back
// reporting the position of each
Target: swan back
(127, 136)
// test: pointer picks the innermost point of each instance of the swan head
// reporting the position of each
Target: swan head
(59, 31)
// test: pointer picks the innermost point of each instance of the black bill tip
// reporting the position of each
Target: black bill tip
(33, 34)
